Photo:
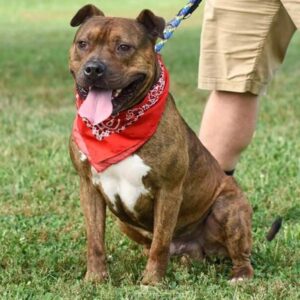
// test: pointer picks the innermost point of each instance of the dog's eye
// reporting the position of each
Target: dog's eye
(124, 48)
(82, 45)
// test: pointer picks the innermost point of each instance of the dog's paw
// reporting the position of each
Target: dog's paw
(237, 280)
(98, 277)
(241, 277)
(242, 273)
(150, 278)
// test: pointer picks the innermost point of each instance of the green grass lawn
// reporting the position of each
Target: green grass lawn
(42, 236)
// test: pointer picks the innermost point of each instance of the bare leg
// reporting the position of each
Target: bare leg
(228, 124)
(94, 209)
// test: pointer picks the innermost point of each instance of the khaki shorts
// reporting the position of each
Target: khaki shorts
(243, 42)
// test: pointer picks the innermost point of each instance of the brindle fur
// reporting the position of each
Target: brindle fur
(192, 207)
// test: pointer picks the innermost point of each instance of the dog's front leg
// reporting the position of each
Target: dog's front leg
(165, 217)
(94, 209)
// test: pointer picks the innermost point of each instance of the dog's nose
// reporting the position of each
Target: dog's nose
(94, 69)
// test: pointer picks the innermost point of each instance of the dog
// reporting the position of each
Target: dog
(167, 191)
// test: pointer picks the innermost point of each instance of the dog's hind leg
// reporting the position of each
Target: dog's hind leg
(229, 225)
(239, 243)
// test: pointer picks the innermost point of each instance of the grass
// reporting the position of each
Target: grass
(42, 238)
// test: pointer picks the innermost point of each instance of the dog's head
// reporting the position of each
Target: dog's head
(115, 56)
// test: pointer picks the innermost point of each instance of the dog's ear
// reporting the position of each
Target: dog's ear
(154, 25)
(85, 13)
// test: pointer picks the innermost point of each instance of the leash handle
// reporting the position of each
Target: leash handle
(183, 14)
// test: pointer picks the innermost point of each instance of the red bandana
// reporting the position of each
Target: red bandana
(120, 135)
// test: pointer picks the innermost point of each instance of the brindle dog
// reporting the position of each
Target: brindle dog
(190, 207)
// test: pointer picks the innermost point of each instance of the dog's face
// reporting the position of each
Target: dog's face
(115, 55)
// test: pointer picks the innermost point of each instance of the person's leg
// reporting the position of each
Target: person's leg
(242, 45)
(228, 124)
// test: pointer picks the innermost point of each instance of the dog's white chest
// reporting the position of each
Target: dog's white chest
(124, 180)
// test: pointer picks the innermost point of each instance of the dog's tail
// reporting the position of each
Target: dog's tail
(274, 229)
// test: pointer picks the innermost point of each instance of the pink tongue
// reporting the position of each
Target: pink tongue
(97, 106)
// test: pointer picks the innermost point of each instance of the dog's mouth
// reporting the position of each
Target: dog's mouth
(101, 103)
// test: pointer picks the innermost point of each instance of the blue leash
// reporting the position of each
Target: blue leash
(171, 26)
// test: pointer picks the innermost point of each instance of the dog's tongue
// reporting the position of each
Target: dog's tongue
(97, 106)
